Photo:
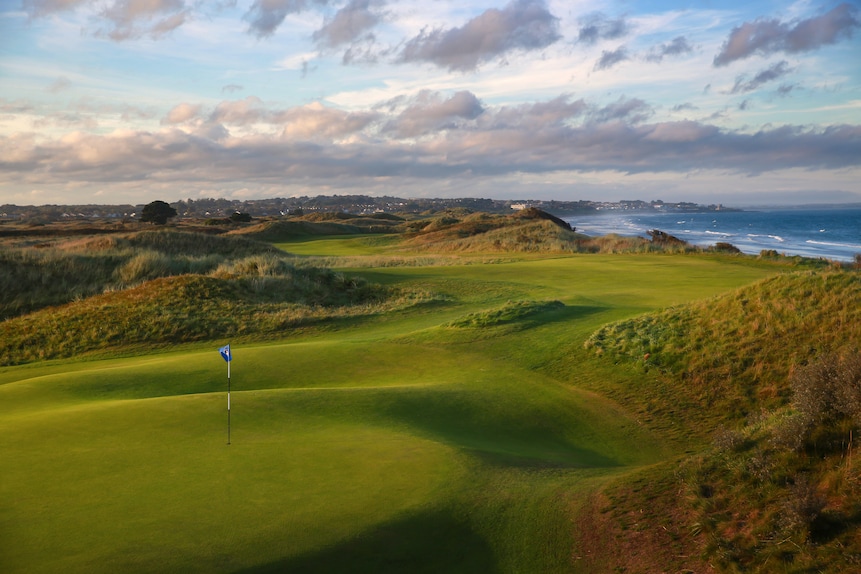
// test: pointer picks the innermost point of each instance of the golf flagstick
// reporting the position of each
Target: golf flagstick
(227, 356)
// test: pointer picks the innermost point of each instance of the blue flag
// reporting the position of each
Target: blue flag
(225, 352)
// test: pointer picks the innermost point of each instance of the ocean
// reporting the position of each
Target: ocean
(832, 233)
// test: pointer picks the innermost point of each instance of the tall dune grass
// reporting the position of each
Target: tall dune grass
(242, 300)
(737, 351)
(31, 279)
(777, 489)
(35, 278)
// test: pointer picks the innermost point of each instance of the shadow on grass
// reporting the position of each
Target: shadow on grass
(828, 526)
(564, 457)
(425, 543)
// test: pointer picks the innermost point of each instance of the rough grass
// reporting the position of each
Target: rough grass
(64, 270)
(534, 232)
(762, 497)
(734, 353)
(243, 299)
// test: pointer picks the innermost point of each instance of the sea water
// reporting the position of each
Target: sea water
(832, 233)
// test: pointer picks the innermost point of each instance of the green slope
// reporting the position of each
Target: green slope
(397, 442)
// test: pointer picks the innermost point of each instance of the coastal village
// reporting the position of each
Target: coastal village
(354, 204)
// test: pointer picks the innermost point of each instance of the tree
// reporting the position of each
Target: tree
(157, 212)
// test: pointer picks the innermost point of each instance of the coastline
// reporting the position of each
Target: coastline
(828, 233)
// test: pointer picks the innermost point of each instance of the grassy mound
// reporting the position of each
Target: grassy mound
(511, 312)
(254, 296)
(166, 287)
(773, 373)
(71, 269)
(734, 354)
(486, 233)
(320, 224)
(529, 230)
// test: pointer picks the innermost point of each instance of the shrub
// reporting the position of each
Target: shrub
(803, 504)
(726, 247)
(826, 393)
(240, 217)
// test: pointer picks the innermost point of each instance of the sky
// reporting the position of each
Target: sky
(129, 101)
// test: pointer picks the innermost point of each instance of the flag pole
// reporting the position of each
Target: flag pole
(228, 394)
(227, 356)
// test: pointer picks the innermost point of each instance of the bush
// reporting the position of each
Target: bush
(826, 393)
(803, 504)
(239, 217)
(726, 247)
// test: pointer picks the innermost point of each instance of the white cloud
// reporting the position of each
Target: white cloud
(521, 25)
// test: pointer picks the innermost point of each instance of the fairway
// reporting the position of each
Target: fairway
(394, 443)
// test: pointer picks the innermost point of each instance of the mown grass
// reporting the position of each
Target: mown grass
(407, 440)
(323, 462)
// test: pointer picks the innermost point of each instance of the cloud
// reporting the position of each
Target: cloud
(767, 36)
(683, 107)
(15, 106)
(429, 111)
(40, 8)
(265, 16)
(181, 113)
(632, 110)
(553, 114)
(59, 85)
(172, 156)
(231, 88)
(773, 72)
(430, 136)
(609, 59)
(121, 20)
(364, 52)
(348, 24)
(784, 90)
(312, 122)
(132, 19)
(316, 122)
(521, 25)
(240, 112)
(598, 26)
(676, 47)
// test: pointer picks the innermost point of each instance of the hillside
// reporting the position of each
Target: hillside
(156, 288)
(188, 308)
(62, 268)
(772, 373)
